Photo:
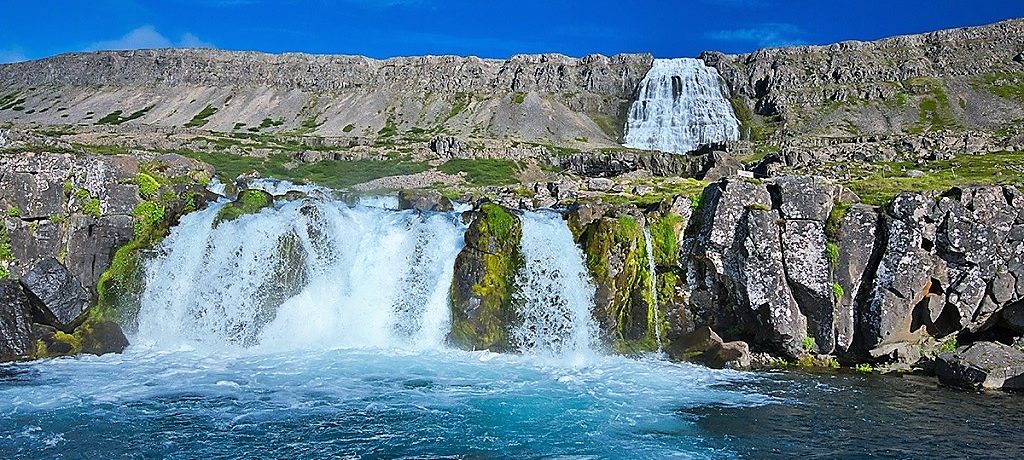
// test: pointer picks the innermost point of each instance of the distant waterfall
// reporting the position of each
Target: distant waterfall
(310, 274)
(681, 105)
(556, 296)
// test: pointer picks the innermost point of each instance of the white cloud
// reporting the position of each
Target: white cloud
(147, 37)
(763, 35)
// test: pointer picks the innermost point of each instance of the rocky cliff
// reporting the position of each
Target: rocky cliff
(957, 81)
(550, 98)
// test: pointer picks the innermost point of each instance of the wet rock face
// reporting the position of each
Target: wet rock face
(484, 280)
(57, 297)
(15, 321)
(989, 365)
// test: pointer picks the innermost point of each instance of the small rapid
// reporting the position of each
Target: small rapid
(681, 105)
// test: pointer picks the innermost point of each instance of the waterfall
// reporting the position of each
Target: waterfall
(652, 269)
(308, 274)
(681, 105)
(555, 300)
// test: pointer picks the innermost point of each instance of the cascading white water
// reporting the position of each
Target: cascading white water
(310, 274)
(555, 301)
(682, 104)
(652, 269)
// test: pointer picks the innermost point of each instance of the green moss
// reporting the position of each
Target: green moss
(248, 202)
(6, 252)
(348, 128)
(837, 291)
(948, 346)
(832, 252)
(148, 186)
(92, 207)
(13, 211)
(148, 215)
(483, 321)
(835, 218)
(518, 98)
(202, 117)
(866, 368)
(664, 231)
(808, 343)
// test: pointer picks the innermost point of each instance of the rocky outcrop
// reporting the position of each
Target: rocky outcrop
(484, 282)
(704, 346)
(988, 365)
(791, 267)
(248, 201)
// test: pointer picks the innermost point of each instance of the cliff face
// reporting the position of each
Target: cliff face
(550, 98)
(968, 79)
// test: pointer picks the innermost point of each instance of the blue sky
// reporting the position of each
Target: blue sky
(487, 28)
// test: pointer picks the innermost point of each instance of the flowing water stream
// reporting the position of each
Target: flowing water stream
(317, 329)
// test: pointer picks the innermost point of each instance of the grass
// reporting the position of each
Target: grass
(483, 172)
(884, 181)
(518, 98)
(460, 102)
(948, 346)
(663, 189)
(201, 118)
(329, 173)
(934, 112)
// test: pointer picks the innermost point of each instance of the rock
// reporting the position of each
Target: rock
(914, 173)
(616, 256)
(730, 355)
(101, 337)
(989, 365)
(719, 165)
(484, 280)
(51, 342)
(292, 195)
(57, 297)
(423, 200)
(693, 344)
(704, 346)
(249, 201)
(804, 197)
(856, 244)
(1013, 318)
(600, 184)
(15, 321)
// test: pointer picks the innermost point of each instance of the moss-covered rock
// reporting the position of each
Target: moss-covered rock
(617, 259)
(484, 281)
(95, 336)
(249, 201)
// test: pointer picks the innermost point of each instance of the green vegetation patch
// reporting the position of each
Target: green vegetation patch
(934, 112)
(1005, 85)
(483, 172)
(883, 181)
(202, 117)
(115, 118)
(6, 253)
(518, 98)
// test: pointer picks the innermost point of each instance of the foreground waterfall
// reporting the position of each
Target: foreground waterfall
(681, 105)
(556, 296)
(314, 274)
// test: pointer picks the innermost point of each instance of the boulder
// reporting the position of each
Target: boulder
(856, 243)
(57, 297)
(15, 321)
(988, 365)
(1013, 318)
(719, 165)
(705, 347)
(600, 184)
(249, 201)
(101, 337)
(423, 200)
(483, 283)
